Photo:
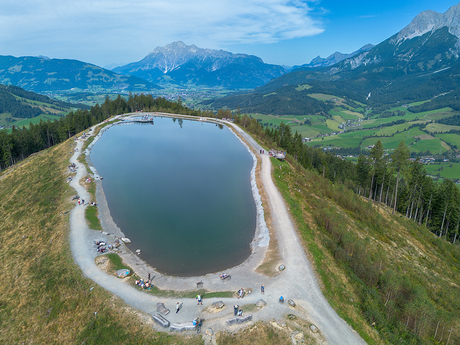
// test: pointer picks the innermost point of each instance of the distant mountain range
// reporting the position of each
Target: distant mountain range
(40, 74)
(418, 63)
(181, 64)
(332, 59)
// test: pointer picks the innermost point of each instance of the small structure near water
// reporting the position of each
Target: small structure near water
(138, 119)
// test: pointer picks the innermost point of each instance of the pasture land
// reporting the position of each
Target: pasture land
(332, 124)
(345, 114)
(452, 139)
(37, 119)
(435, 146)
(439, 127)
(390, 143)
(445, 170)
(398, 128)
(323, 96)
(303, 87)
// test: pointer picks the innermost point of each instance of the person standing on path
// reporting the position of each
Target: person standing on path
(177, 307)
(262, 290)
(198, 297)
(235, 309)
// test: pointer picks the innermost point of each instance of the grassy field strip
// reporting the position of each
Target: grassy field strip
(451, 139)
(333, 125)
(439, 127)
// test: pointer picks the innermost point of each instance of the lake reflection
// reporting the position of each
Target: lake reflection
(180, 190)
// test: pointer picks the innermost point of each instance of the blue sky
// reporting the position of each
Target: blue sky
(285, 32)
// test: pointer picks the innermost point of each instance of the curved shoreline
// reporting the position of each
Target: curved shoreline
(297, 281)
(260, 238)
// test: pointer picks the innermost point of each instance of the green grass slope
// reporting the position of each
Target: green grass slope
(391, 280)
(44, 299)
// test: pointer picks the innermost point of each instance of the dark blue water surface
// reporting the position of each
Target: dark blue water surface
(180, 190)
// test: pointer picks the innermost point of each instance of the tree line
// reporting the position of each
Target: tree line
(22, 142)
(394, 180)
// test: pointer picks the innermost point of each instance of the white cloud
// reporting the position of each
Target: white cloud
(104, 28)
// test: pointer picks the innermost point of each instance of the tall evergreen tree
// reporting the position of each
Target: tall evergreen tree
(400, 160)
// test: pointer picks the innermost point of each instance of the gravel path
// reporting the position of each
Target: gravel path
(296, 282)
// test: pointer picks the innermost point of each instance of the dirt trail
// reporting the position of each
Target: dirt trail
(296, 282)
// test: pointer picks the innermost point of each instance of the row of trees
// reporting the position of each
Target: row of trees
(395, 180)
(404, 185)
(22, 142)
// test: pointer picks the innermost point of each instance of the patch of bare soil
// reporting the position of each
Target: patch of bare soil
(290, 331)
(103, 263)
(425, 137)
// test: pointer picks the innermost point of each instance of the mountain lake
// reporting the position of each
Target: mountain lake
(181, 191)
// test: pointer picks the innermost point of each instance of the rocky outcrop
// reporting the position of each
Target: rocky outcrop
(159, 319)
(183, 326)
(162, 309)
(239, 319)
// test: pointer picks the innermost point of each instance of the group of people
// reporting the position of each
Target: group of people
(261, 151)
(237, 311)
(101, 246)
(144, 285)
(81, 201)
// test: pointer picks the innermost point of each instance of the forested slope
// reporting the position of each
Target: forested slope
(392, 275)
(22, 142)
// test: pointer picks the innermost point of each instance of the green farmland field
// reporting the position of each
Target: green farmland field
(37, 119)
(393, 142)
(450, 138)
(445, 170)
(322, 96)
(435, 146)
(397, 128)
(439, 127)
(358, 134)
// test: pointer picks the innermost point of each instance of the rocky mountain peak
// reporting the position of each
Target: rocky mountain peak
(184, 63)
(177, 46)
(427, 21)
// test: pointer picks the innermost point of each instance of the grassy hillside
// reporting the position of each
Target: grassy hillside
(19, 107)
(393, 281)
(44, 299)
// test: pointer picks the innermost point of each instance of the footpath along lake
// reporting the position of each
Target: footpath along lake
(181, 191)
